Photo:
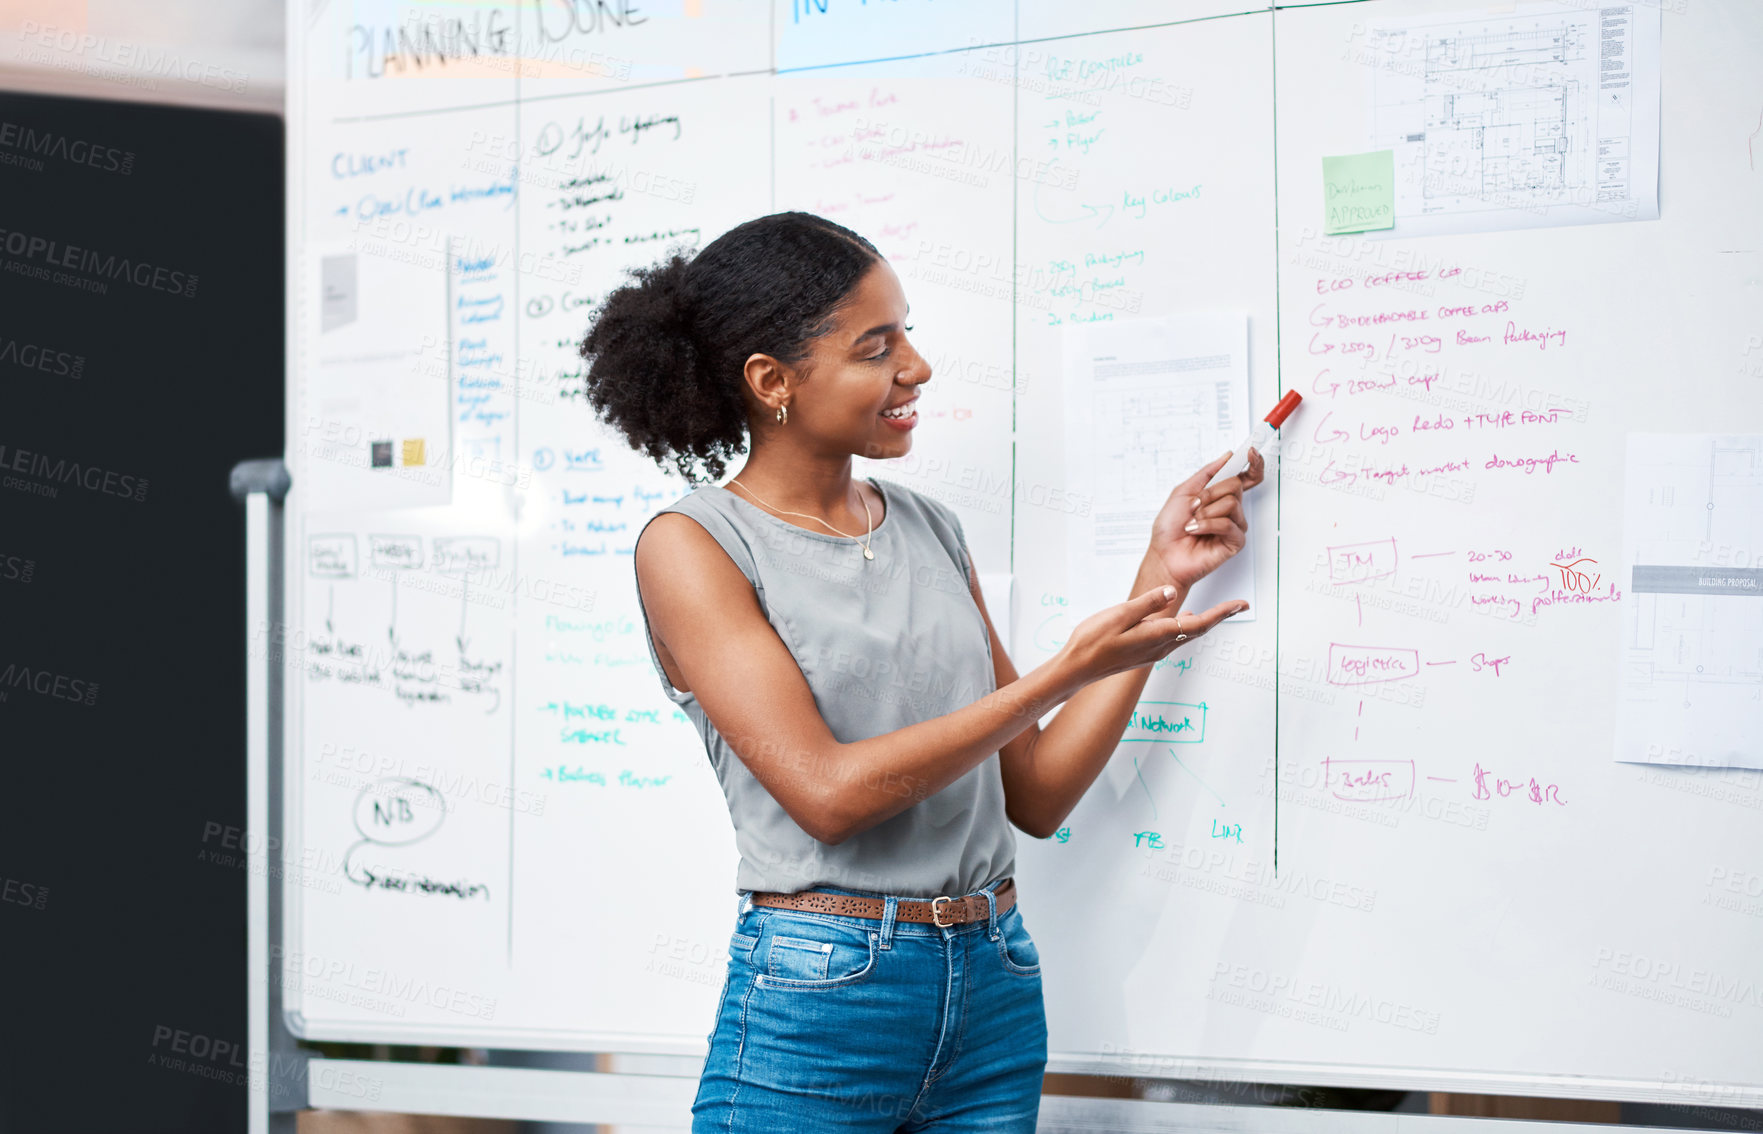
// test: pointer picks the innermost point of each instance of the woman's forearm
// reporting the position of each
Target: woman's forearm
(860, 784)
(1068, 754)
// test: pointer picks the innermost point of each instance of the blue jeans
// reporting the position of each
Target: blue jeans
(836, 1023)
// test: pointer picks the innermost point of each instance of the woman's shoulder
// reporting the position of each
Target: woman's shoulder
(709, 506)
(703, 501)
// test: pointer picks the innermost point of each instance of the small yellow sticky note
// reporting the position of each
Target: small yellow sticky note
(413, 454)
(1359, 192)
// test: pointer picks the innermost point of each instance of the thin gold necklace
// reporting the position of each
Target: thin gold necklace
(867, 536)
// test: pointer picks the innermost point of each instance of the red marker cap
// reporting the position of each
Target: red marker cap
(1284, 409)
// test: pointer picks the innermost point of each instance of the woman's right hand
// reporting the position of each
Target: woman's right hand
(1138, 632)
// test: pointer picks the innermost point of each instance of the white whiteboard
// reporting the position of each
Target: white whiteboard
(485, 783)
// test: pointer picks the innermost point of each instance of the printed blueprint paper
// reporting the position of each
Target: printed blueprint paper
(1147, 403)
(1547, 115)
(1692, 618)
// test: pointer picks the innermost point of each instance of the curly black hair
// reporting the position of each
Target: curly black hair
(666, 351)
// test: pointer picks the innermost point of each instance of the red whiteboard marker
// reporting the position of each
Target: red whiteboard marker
(1264, 438)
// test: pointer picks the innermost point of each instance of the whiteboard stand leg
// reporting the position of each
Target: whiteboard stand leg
(274, 1067)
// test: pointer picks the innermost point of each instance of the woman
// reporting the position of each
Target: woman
(829, 641)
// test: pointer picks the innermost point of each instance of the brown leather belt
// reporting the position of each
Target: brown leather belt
(942, 912)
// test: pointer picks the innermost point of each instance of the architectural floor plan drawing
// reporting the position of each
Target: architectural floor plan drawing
(1546, 116)
(1147, 403)
(1692, 635)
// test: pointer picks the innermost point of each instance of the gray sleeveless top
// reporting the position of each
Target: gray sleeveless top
(883, 643)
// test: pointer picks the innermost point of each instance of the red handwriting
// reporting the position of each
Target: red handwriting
(1575, 578)
(1534, 791)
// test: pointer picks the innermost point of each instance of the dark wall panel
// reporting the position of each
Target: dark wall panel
(140, 357)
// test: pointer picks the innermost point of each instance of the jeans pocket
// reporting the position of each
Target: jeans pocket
(808, 954)
(1016, 949)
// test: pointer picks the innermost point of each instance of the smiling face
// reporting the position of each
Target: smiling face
(863, 374)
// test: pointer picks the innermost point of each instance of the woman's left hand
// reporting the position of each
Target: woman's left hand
(1199, 528)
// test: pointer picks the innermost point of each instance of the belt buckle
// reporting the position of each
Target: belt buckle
(936, 915)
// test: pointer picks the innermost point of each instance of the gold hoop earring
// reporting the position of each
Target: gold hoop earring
(783, 415)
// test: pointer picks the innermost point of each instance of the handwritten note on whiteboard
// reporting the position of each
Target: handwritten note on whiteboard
(1358, 192)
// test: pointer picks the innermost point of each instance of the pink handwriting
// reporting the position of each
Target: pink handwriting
(1326, 386)
(1531, 464)
(1332, 475)
(1357, 562)
(1367, 781)
(1499, 602)
(1431, 344)
(1507, 419)
(1372, 320)
(1611, 594)
(1333, 434)
(1355, 346)
(1467, 309)
(1368, 665)
(1481, 661)
(1345, 283)
(1517, 334)
(1534, 791)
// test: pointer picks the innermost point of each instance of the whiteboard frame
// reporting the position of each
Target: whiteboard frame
(432, 1090)
(656, 1102)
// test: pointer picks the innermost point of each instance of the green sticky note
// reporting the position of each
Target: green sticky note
(1359, 191)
